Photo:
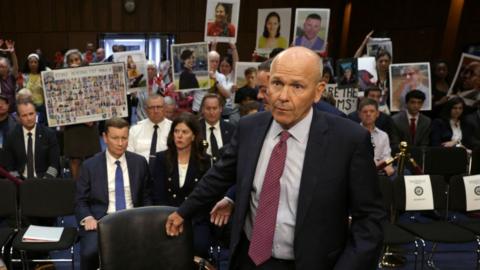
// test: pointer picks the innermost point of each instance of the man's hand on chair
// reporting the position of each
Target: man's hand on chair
(174, 225)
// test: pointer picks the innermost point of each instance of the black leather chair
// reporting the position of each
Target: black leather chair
(446, 161)
(47, 198)
(8, 211)
(393, 235)
(136, 239)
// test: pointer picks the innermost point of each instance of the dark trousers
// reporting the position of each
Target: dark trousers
(89, 250)
(243, 261)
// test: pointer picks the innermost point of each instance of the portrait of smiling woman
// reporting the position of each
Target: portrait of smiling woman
(271, 37)
(221, 26)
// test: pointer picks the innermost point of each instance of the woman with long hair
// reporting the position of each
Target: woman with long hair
(271, 38)
(177, 171)
(450, 129)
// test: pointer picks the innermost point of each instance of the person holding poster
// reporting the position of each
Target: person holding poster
(82, 140)
(271, 38)
(221, 26)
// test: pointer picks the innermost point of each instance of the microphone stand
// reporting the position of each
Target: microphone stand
(389, 259)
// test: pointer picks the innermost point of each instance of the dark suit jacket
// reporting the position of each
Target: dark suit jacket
(46, 150)
(401, 130)
(165, 180)
(92, 185)
(442, 132)
(338, 179)
(473, 121)
(226, 129)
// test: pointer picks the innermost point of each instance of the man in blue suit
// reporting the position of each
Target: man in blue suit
(299, 175)
(109, 181)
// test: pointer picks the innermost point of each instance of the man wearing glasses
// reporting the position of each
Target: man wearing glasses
(150, 135)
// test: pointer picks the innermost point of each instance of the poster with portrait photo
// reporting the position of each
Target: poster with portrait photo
(375, 44)
(407, 77)
(273, 29)
(221, 21)
(136, 64)
(190, 66)
(85, 94)
(240, 69)
(367, 72)
(311, 28)
(347, 73)
(466, 83)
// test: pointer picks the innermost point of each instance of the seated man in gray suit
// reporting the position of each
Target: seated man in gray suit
(410, 125)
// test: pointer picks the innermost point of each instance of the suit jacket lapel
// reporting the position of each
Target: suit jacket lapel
(38, 142)
(103, 175)
(21, 145)
(314, 161)
(132, 175)
(255, 147)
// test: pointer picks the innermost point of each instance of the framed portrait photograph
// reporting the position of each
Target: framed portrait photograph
(136, 64)
(85, 94)
(466, 83)
(376, 44)
(311, 28)
(273, 29)
(407, 77)
(347, 73)
(221, 20)
(246, 81)
(190, 66)
(367, 72)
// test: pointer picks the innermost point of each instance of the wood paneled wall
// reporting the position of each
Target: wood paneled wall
(416, 27)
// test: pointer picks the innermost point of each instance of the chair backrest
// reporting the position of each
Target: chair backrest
(457, 197)
(8, 198)
(475, 167)
(47, 197)
(439, 192)
(446, 160)
(136, 239)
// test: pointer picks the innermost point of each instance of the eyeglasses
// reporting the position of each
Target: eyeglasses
(155, 107)
(411, 73)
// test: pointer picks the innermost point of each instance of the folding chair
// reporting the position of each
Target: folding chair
(433, 231)
(47, 198)
(8, 210)
(136, 239)
(393, 235)
(458, 203)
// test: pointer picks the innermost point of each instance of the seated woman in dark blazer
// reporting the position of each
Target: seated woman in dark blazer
(177, 171)
(450, 129)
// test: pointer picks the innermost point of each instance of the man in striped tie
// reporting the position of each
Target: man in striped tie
(299, 174)
(120, 175)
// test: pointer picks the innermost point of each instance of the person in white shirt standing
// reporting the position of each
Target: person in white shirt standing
(149, 136)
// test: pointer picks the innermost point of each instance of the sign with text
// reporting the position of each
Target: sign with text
(345, 98)
(418, 193)
(472, 192)
(85, 94)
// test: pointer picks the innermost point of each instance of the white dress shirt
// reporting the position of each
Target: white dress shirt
(456, 131)
(182, 174)
(289, 184)
(409, 116)
(218, 135)
(111, 168)
(25, 139)
(140, 137)
(381, 145)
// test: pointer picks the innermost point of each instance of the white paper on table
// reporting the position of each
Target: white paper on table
(418, 193)
(472, 192)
